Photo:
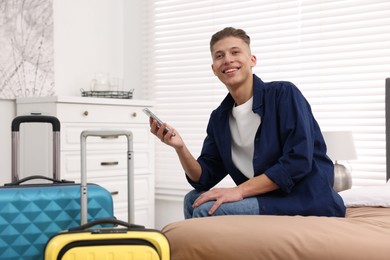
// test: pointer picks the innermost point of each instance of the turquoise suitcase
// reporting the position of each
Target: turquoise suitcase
(30, 214)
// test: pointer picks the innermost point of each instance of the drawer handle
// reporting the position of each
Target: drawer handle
(108, 163)
(85, 113)
(109, 137)
(113, 193)
(134, 114)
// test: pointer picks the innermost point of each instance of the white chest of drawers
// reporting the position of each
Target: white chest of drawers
(106, 158)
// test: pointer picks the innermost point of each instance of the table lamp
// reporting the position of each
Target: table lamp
(340, 146)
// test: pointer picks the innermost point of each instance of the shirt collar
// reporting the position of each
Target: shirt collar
(258, 93)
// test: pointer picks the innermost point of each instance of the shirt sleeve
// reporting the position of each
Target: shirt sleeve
(297, 132)
(213, 170)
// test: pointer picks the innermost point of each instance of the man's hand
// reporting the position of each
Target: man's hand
(166, 137)
(253, 187)
(220, 195)
(190, 165)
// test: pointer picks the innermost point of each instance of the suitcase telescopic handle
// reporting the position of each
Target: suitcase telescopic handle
(130, 170)
(17, 121)
(15, 126)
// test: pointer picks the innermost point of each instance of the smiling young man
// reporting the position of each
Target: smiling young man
(264, 136)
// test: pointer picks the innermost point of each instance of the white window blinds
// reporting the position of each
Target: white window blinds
(336, 52)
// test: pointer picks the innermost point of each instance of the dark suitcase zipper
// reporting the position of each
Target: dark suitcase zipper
(106, 242)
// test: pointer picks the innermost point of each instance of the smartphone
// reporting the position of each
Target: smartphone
(159, 122)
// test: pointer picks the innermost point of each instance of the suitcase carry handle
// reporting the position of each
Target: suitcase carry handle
(35, 118)
(130, 170)
(37, 177)
(103, 221)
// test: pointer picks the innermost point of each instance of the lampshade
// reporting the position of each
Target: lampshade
(340, 145)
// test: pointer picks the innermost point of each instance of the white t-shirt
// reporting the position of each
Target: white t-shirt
(243, 124)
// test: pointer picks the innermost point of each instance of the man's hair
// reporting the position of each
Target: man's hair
(227, 32)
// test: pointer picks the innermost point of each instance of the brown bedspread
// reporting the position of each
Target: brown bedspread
(363, 234)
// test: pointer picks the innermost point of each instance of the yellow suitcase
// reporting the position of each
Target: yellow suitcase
(130, 243)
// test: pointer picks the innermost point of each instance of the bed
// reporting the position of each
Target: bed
(363, 234)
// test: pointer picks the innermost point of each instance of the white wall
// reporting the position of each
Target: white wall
(168, 211)
(97, 36)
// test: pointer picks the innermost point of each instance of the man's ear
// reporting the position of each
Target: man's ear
(253, 61)
(212, 67)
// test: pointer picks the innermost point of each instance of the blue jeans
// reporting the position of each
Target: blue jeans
(247, 206)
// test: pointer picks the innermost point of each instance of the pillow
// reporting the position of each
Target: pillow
(371, 196)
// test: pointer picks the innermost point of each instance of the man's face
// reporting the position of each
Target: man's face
(232, 61)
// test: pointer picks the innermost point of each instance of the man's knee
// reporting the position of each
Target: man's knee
(189, 199)
(201, 211)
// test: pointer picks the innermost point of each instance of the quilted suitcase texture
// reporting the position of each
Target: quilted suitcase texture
(90, 242)
(32, 213)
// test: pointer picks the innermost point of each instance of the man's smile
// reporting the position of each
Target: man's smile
(230, 70)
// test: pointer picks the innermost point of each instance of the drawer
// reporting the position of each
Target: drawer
(143, 189)
(89, 113)
(70, 137)
(103, 164)
(143, 197)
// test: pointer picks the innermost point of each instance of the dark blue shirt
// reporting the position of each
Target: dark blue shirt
(288, 148)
